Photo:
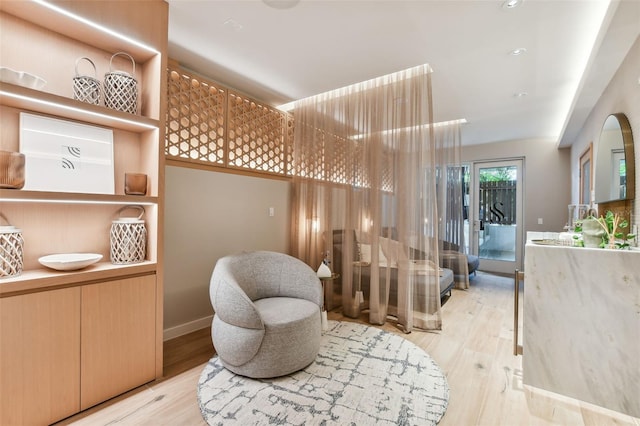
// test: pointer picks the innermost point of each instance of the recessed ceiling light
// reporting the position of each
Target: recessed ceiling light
(520, 94)
(519, 51)
(511, 4)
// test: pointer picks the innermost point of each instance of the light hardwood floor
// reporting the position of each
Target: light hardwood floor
(474, 349)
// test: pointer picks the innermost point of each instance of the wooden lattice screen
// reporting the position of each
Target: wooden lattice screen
(339, 171)
(256, 136)
(289, 146)
(195, 119)
(387, 183)
(210, 124)
(360, 171)
(309, 161)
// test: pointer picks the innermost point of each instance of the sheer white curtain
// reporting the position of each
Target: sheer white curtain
(450, 179)
(364, 190)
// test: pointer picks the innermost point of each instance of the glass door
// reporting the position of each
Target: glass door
(496, 234)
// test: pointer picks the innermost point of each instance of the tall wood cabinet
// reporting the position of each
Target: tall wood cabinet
(70, 340)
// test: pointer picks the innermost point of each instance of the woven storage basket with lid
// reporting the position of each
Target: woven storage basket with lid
(128, 237)
(121, 88)
(11, 250)
(85, 88)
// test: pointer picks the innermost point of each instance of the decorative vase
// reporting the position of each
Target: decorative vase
(592, 233)
(11, 170)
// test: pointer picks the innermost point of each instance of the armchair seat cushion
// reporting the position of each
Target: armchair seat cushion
(280, 313)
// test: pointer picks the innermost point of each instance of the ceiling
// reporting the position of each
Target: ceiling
(278, 54)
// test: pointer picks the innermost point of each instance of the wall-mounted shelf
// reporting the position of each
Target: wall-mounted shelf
(60, 106)
(13, 195)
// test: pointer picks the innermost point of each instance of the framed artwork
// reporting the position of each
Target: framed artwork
(65, 156)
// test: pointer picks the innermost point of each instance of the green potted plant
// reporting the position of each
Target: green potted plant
(613, 226)
(604, 232)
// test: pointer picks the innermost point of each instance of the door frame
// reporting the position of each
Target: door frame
(586, 159)
(498, 266)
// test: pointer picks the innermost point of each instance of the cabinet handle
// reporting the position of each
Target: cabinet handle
(517, 349)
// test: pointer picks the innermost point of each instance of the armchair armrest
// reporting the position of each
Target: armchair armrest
(233, 306)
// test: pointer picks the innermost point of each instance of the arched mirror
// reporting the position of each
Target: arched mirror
(615, 163)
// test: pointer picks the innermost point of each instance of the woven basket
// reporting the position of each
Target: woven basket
(120, 88)
(128, 238)
(11, 250)
(85, 88)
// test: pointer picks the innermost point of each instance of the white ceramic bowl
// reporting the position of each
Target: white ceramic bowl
(69, 261)
(21, 78)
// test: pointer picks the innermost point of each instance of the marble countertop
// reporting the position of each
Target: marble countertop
(581, 333)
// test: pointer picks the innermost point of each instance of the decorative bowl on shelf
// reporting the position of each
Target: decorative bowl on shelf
(69, 261)
(21, 78)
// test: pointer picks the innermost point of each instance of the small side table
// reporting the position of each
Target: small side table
(324, 280)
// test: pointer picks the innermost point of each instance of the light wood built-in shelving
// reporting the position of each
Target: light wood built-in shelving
(66, 31)
(44, 279)
(60, 20)
(107, 318)
(7, 195)
(51, 104)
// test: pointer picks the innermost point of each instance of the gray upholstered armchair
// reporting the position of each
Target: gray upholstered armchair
(267, 313)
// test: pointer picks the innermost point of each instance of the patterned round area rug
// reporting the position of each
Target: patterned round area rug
(361, 376)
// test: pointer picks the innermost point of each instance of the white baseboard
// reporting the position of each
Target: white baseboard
(186, 328)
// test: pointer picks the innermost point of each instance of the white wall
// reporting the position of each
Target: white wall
(209, 215)
(621, 95)
(547, 178)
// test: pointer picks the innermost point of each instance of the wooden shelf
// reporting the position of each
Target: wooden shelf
(8, 195)
(64, 21)
(60, 106)
(41, 279)
(101, 326)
